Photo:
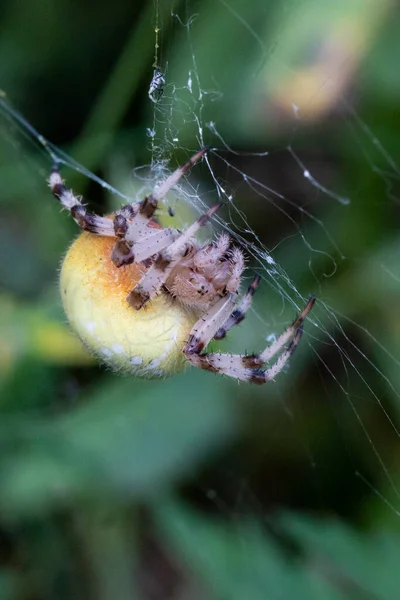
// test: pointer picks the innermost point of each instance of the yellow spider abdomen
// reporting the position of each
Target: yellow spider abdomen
(145, 343)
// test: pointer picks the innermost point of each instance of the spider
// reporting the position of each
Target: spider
(148, 300)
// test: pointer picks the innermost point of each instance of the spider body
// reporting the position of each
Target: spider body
(148, 300)
(94, 291)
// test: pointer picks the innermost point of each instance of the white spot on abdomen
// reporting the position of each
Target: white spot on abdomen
(118, 349)
(136, 360)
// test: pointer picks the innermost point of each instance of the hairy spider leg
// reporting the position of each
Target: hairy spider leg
(240, 311)
(212, 253)
(167, 259)
(247, 367)
(204, 330)
(148, 205)
(179, 246)
(276, 346)
(237, 268)
(86, 221)
(131, 221)
(145, 247)
(217, 261)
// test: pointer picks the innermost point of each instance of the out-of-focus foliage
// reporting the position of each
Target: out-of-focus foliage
(196, 487)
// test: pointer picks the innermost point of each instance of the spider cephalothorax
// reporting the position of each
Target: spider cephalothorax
(148, 300)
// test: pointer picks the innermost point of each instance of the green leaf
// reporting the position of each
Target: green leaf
(368, 562)
(236, 559)
(141, 435)
(129, 439)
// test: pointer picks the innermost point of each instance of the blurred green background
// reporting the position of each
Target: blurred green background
(197, 487)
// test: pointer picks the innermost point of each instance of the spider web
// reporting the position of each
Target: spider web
(182, 112)
(273, 103)
(271, 85)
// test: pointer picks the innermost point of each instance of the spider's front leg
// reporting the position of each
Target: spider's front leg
(246, 367)
(147, 246)
(86, 221)
(131, 222)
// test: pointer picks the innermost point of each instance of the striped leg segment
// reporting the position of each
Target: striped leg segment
(180, 245)
(274, 348)
(205, 328)
(155, 241)
(86, 221)
(130, 222)
(249, 367)
(153, 280)
(131, 229)
(240, 311)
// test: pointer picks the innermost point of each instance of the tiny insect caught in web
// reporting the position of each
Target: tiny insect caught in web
(156, 89)
(148, 300)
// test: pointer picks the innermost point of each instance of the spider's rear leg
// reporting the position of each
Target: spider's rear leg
(278, 344)
(240, 311)
(248, 367)
(204, 330)
(235, 365)
(86, 221)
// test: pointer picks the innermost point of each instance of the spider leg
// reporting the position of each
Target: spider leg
(145, 247)
(210, 322)
(179, 246)
(209, 255)
(248, 367)
(153, 280)
(240, 311)
(86, 221)
(234, 365)
(132, 230)
(151, 283)
(236, 268)
(173, 179)
(220, 264)
(276, 346)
